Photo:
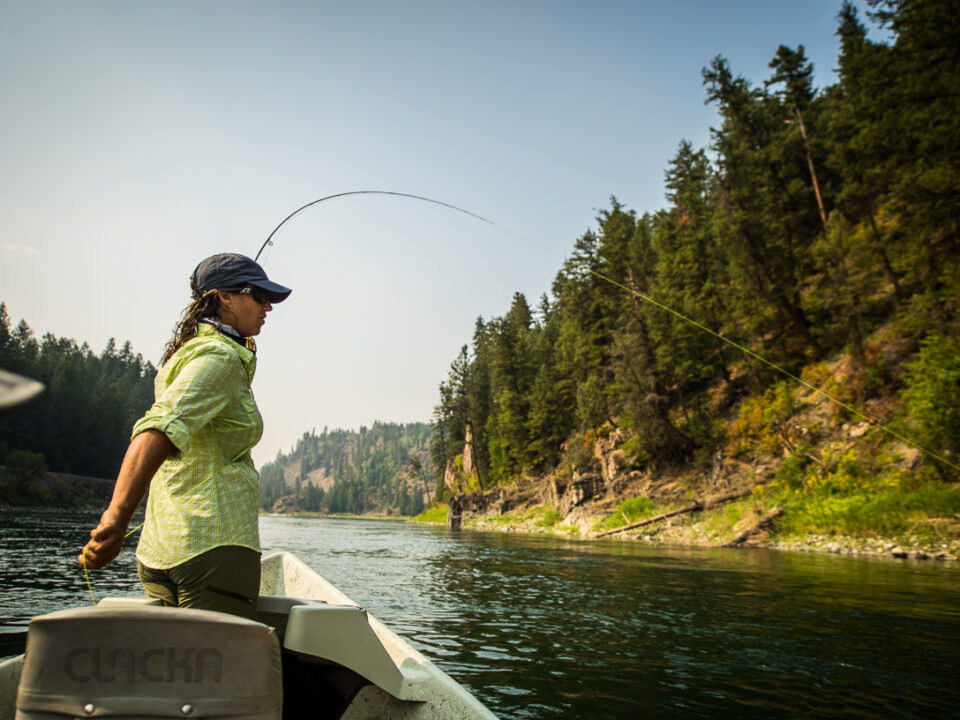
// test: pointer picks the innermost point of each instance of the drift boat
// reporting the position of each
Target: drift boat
(313, 653)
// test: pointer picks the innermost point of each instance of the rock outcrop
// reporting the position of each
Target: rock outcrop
(583, 487)
(607, 473)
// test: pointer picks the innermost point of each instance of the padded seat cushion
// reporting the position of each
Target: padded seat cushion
(149, 661)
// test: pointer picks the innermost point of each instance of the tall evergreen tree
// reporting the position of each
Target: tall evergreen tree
(765, 223)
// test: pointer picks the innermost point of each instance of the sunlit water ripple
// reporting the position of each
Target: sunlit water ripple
(543, 627)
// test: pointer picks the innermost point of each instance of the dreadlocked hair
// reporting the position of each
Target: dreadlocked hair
(206, 305)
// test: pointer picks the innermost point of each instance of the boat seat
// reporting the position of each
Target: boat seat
(274, 610)
(149, 662)
(341, 634)
(281, 604)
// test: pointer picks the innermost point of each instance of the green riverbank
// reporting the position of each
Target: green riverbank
(927, 538)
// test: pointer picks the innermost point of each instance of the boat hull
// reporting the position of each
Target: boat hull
(377, 673)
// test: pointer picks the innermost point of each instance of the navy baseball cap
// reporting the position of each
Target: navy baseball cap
(230, 270)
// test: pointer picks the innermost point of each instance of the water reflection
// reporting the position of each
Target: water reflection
(547, 627)
(38, 566)
(543, 627)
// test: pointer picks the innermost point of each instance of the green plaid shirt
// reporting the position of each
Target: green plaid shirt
(206, 492)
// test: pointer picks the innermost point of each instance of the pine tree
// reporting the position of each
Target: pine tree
(765, 224)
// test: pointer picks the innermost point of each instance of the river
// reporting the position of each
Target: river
(544, 627)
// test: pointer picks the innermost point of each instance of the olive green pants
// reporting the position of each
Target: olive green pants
(225, 579)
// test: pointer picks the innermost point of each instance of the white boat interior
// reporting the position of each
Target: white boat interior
(312, 653)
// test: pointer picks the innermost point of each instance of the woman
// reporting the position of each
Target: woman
(200, 545)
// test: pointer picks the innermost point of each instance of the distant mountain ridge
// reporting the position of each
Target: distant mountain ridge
(379, 470)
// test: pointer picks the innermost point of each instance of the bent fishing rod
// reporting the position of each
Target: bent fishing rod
(269, 240)
(632, 291)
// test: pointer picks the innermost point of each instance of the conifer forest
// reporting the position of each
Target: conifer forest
(819, 225)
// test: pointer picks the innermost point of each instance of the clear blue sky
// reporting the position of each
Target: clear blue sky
(137, 138)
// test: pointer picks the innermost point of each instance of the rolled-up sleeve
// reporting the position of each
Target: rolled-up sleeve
(200, 391)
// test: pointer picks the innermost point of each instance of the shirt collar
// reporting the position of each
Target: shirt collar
(247, 357)
(225, 329)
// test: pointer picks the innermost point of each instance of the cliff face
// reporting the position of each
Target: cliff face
(593, 491)
(462, 472)
(607, 478)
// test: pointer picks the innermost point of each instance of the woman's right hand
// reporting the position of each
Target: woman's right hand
(105, 543)
(146, 453)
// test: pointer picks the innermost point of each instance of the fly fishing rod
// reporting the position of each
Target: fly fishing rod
(269, 240)
(641, 296)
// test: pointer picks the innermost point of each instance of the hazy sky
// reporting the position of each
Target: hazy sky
(137, 138)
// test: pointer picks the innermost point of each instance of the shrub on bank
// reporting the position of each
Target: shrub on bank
(549, 518)
(629, 511)
(887, 511)
(933, 399)
(859, 495)
(435, 514)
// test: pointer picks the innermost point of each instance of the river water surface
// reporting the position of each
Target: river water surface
(544, 627)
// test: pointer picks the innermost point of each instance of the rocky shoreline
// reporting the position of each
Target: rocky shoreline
(894, 548)
(575, 507)
(54, 492)
(869, 547)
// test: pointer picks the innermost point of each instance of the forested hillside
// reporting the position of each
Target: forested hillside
(820, 224)
(374, 470)
(81, 423)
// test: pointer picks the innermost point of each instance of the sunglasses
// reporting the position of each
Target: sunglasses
(258, 295)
